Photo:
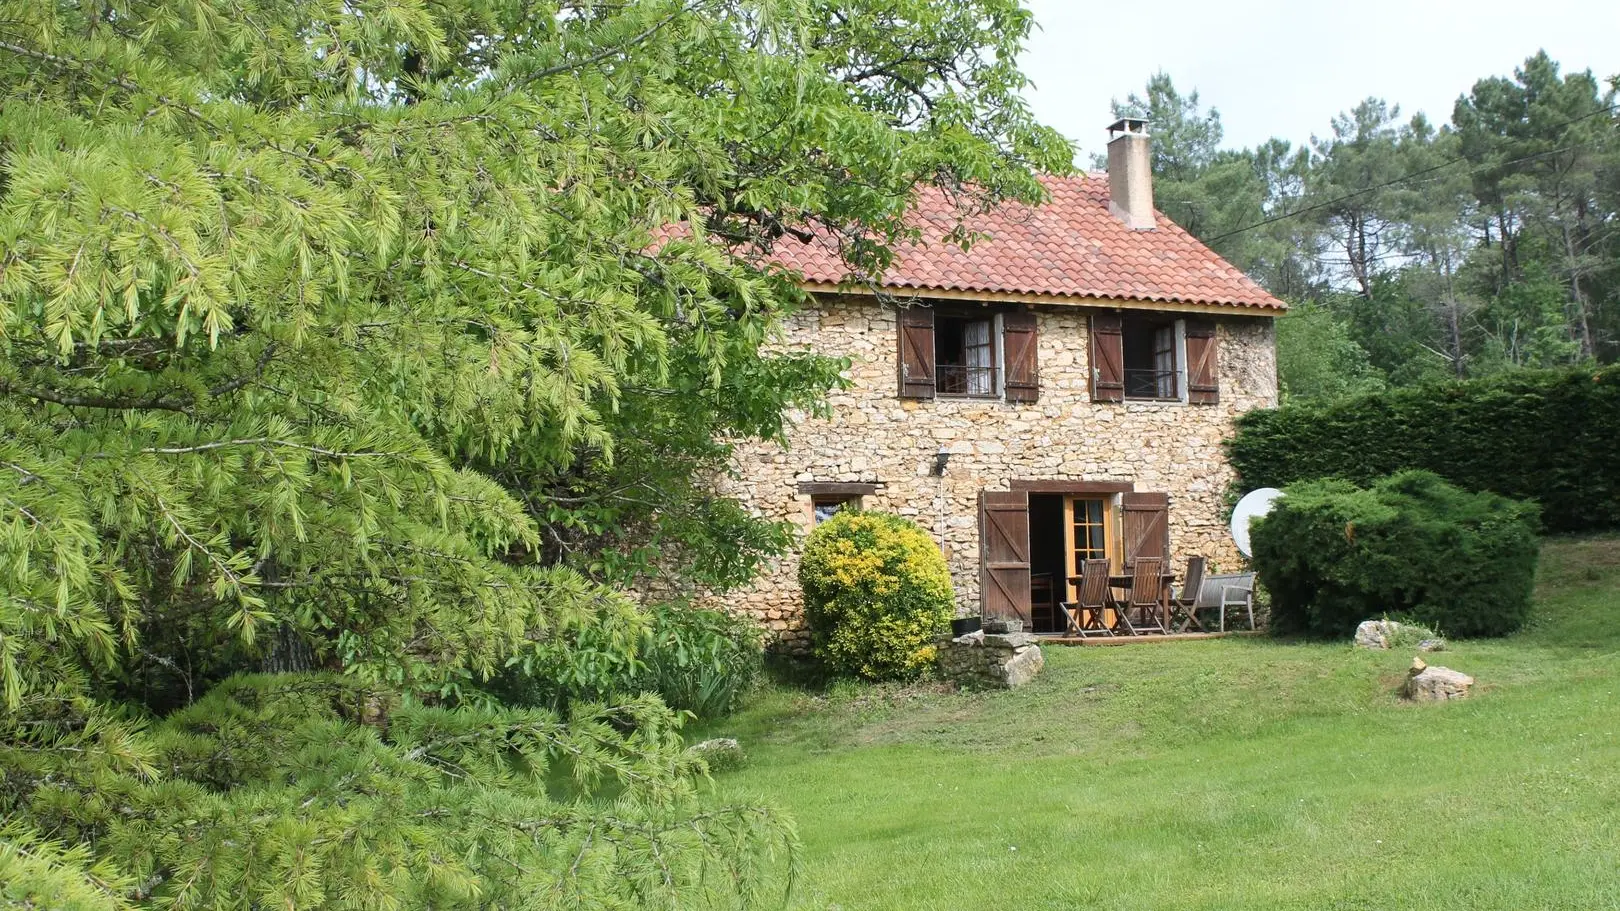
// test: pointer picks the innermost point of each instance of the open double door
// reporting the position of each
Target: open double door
(1092, 522)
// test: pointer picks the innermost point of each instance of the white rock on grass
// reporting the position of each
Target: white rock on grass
(1023, 668)
(1377, 634)
(1435, 684)
(719, 754)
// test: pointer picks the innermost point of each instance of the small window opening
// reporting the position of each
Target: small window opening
(824, 507)
(1152, 370)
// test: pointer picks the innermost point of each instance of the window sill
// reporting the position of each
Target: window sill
(968, 397)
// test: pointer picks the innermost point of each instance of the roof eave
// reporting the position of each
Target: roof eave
(1272, 308)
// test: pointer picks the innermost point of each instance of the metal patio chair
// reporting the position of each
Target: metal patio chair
(1232, 590)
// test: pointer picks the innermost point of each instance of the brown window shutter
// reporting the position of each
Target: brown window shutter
(1203, 364)
(1145, 525)
(916, 326)
(1018, 342)
(1107, 358)
(1004, 555)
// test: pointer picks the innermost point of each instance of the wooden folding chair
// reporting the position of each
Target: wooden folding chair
(1042, 603)
(1088, 613)
(1146, 578)
(1184, 606)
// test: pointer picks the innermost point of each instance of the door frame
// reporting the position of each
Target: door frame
(1113, 545)
(1107, 491)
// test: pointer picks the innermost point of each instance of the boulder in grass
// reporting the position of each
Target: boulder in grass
(1377, 634)
(1435, 684)
(1023, 667)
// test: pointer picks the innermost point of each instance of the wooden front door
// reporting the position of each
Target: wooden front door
(1004, 555)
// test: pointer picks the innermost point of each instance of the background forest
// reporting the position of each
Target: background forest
(1413, 250)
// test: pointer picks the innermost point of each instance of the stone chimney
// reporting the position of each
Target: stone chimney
(1130, 174)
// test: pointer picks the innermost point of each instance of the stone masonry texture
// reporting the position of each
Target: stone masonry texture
(875, 437)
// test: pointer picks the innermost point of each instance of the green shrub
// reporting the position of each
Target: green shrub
(722, 754)
(876, 593)
(1546, 436)
(1411, 547)
(701, 661)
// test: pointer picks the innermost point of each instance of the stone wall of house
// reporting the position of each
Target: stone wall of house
(873, 436)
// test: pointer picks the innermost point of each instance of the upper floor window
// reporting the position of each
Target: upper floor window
(1153, 357)
(973, 352)
(964, 355)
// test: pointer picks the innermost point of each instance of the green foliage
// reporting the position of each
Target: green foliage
(40, 873)
(348, 336)
(1318, 360)
(308, 791)
(1409, 635)
(1529, 435)
(876, 594)
(1410, 546)
(720, 754)
(700, 661)
(336, 344)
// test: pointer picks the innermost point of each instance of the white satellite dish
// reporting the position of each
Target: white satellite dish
(1254, 504)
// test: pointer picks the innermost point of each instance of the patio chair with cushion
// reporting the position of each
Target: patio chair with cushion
(1087, 615)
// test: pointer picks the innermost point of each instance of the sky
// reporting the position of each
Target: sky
(1286, 67)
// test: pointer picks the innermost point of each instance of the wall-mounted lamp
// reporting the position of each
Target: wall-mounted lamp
(941, 459)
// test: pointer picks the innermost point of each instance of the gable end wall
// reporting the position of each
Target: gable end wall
(876, 437)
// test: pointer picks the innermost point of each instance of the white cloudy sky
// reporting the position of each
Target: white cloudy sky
(1285, 67)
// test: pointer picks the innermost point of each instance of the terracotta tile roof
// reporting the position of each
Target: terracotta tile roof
(1070, 247)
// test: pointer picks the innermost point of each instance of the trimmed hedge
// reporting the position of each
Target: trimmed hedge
(876, 594)
(1411, 547)
(1547, 436)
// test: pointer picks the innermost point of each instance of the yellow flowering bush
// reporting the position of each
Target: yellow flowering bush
(876, 594)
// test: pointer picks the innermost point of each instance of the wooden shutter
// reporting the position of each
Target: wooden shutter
(1203, 367)
(1145, 525)
(1107, 358)
(1018, 343)
(1004, 555)
(916, 325)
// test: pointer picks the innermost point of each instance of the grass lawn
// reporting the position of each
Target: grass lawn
(1220, 774)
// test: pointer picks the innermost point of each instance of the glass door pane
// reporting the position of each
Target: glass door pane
(1090, 539)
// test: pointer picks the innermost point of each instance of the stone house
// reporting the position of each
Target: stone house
(1059, 391)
